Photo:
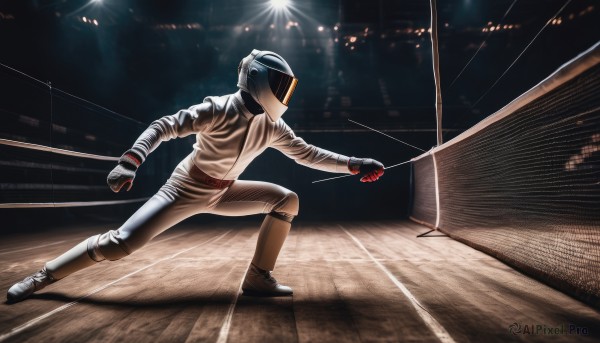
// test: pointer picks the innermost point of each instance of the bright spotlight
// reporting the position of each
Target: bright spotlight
(280, 4)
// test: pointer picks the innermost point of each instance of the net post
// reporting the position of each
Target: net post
(437, 193)
(438, 109)
(436, 71)
(435, 226)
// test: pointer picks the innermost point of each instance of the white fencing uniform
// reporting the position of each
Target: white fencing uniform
(229, 137)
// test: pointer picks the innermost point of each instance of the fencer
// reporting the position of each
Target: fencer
(231, 131)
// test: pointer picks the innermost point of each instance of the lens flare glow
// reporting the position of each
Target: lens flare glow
(280, 4)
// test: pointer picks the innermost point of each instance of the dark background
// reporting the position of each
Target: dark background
(370, 62)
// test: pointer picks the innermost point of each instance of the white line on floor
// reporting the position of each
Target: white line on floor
(169, 238)
(350, 260)
(431, 322)
(2, 252)
(224, 332)
(36, 320)
(31, 248)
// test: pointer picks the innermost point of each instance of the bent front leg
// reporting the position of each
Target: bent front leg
(274, 231)
(252, 197)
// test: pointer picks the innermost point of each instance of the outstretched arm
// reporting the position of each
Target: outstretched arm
(196, 119)
(296, 148)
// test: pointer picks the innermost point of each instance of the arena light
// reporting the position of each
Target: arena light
(280, 4)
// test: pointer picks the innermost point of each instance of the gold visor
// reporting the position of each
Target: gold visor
(282, 85)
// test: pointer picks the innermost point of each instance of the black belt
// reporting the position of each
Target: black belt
(208, 180)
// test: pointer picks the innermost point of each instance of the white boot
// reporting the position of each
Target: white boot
(71, 261)
(259, 282)
(271, 237)
(22, 290)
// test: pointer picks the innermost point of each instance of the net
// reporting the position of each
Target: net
(423, 187)
(524, 184)
(37, 121)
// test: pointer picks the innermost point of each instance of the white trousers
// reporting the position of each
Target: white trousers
(182, 197)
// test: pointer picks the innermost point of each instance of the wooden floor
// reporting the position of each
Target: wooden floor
(353, 282)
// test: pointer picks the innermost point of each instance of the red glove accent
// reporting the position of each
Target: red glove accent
(131, 158)
(370, 168)
(129, 184)
(372, 176)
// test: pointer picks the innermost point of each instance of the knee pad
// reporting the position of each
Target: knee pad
(107, 246)
(282, 216)
(287, 208)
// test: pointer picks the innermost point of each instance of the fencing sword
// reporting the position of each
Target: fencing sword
(339, 177)
(385, 134)
(390, 167)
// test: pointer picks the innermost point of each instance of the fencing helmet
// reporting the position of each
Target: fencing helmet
(270, 81)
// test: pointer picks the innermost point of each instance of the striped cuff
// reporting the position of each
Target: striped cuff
(131, 158)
